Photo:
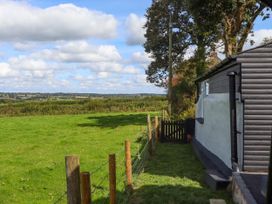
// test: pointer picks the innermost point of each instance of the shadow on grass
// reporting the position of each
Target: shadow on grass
(174, 194)
(174, 175)
(114, 121)
(175, 160)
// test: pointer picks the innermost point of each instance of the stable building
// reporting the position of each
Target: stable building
(234, 113)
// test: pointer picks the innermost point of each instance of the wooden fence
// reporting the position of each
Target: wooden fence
(172, 131)
(79, 185)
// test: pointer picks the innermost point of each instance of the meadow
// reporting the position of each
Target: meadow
(32, 151)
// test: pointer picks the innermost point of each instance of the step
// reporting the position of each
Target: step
(215, 180)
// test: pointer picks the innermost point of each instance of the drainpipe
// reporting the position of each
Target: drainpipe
(233, 122)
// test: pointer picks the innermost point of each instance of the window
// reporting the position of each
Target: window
(207, 88)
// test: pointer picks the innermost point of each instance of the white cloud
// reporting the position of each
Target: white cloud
(258, 37)
(24, 46)
(81, 52)
(103, 75)
(6, 70)
(21, 21)
(141, 58)
(135, 29)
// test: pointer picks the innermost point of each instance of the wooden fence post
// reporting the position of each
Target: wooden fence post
(112, 178)
(73, 179)
(149, 131)
(128, 166)
(85, 188)
(156, 128)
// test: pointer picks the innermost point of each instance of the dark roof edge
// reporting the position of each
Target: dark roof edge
(217, 68)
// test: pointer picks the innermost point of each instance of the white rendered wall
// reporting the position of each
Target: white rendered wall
(214, 134)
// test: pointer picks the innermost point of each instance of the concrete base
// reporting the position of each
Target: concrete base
(216, 180)
(240, 192)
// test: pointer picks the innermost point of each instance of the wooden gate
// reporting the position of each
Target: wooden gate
(172, 131)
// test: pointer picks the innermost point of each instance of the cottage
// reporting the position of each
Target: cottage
(234, 113)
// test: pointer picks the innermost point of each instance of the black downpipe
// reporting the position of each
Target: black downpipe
(233, 122)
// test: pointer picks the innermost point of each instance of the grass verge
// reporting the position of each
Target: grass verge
(174, 175)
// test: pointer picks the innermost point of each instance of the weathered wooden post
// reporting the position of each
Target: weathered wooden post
(128, 166)
(157, 128)
(73, 179)
(85, 188)
(112, 178)
(149, 132)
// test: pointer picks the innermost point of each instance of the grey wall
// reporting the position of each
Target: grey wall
(219, 83)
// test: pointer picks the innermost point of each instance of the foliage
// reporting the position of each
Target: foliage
(184, 89)
(233, 19)
(118, 104)
(174, 175)
(267, 40)
(32, 151)
(157, 26)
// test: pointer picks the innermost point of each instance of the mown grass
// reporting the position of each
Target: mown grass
(174, 176)
(32, 151)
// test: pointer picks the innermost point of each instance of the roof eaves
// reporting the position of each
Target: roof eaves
(216, 68)
(226, 61)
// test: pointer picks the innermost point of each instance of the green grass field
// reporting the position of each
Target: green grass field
(32, 167)
(174, 175)
(32, 150)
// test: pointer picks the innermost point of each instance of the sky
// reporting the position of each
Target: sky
(90, 46)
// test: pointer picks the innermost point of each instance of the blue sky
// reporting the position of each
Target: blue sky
(92, 46)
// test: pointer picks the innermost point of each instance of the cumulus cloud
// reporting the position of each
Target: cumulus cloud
(6, 70)
(135, 29)
(21, 21)
(141, 57)
(36, 68)
(258, 37)
(80, 52)
(24, 46)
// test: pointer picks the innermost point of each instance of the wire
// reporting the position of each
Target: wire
(60, 198)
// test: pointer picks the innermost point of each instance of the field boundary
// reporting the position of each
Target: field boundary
(80, 188)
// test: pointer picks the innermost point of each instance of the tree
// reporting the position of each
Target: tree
(156, 44)
(168, 38)
(234, 20)
(267, 40)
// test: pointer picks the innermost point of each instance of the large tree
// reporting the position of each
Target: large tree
(234, 20)
(157, 35)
